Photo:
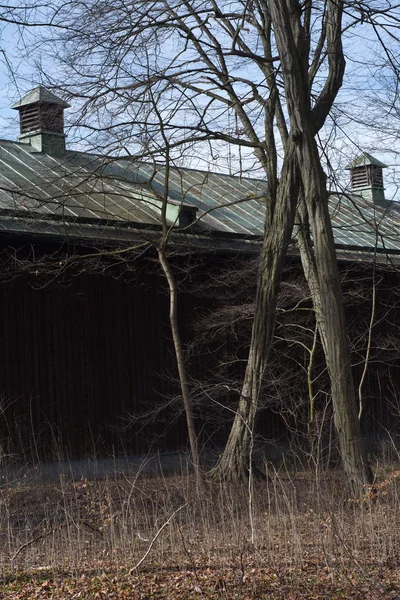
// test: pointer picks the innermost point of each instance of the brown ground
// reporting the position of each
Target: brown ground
(308, 541)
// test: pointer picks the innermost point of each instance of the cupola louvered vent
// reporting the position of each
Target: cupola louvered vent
(41, 115)
(366, 177)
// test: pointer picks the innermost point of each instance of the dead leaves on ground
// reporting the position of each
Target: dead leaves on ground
(310, 581)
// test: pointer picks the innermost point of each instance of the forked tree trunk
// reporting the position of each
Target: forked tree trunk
(233, 463)
(323, 272)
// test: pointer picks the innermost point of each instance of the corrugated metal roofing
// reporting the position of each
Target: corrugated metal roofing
(81, 195)
(359, 222)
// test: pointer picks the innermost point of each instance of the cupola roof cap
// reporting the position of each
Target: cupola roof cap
(40, 95)
(364, 160)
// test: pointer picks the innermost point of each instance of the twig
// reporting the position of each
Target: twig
(371, 325)
(41, 536)
(192, 562)
(92, 527)
(145, 555)
(32, 541)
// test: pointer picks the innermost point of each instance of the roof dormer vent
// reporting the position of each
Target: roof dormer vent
(187, 215)
(366, 177)
(41, 118)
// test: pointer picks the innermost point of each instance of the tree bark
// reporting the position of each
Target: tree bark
(322, 271)
(337, 355)
(233, 463)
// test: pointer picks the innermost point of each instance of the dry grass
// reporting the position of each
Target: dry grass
(81, 539)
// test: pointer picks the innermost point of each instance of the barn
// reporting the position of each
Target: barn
(85, 344)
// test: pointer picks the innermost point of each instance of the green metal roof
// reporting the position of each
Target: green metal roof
(85, 196)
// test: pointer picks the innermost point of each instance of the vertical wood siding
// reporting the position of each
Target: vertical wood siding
(78, 358)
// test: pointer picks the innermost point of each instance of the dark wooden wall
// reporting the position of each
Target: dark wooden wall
(78, 357)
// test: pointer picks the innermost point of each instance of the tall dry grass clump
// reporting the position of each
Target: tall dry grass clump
(299, 518)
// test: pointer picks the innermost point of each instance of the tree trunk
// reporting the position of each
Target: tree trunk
(173, 318)
(322, 271)
(233, 463)
(322, 275)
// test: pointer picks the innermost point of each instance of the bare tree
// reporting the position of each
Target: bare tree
(231, 93)
(274, 69)
(162, 253)
(321, 268)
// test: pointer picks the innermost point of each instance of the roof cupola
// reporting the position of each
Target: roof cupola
(366, 177)
(41, 118)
